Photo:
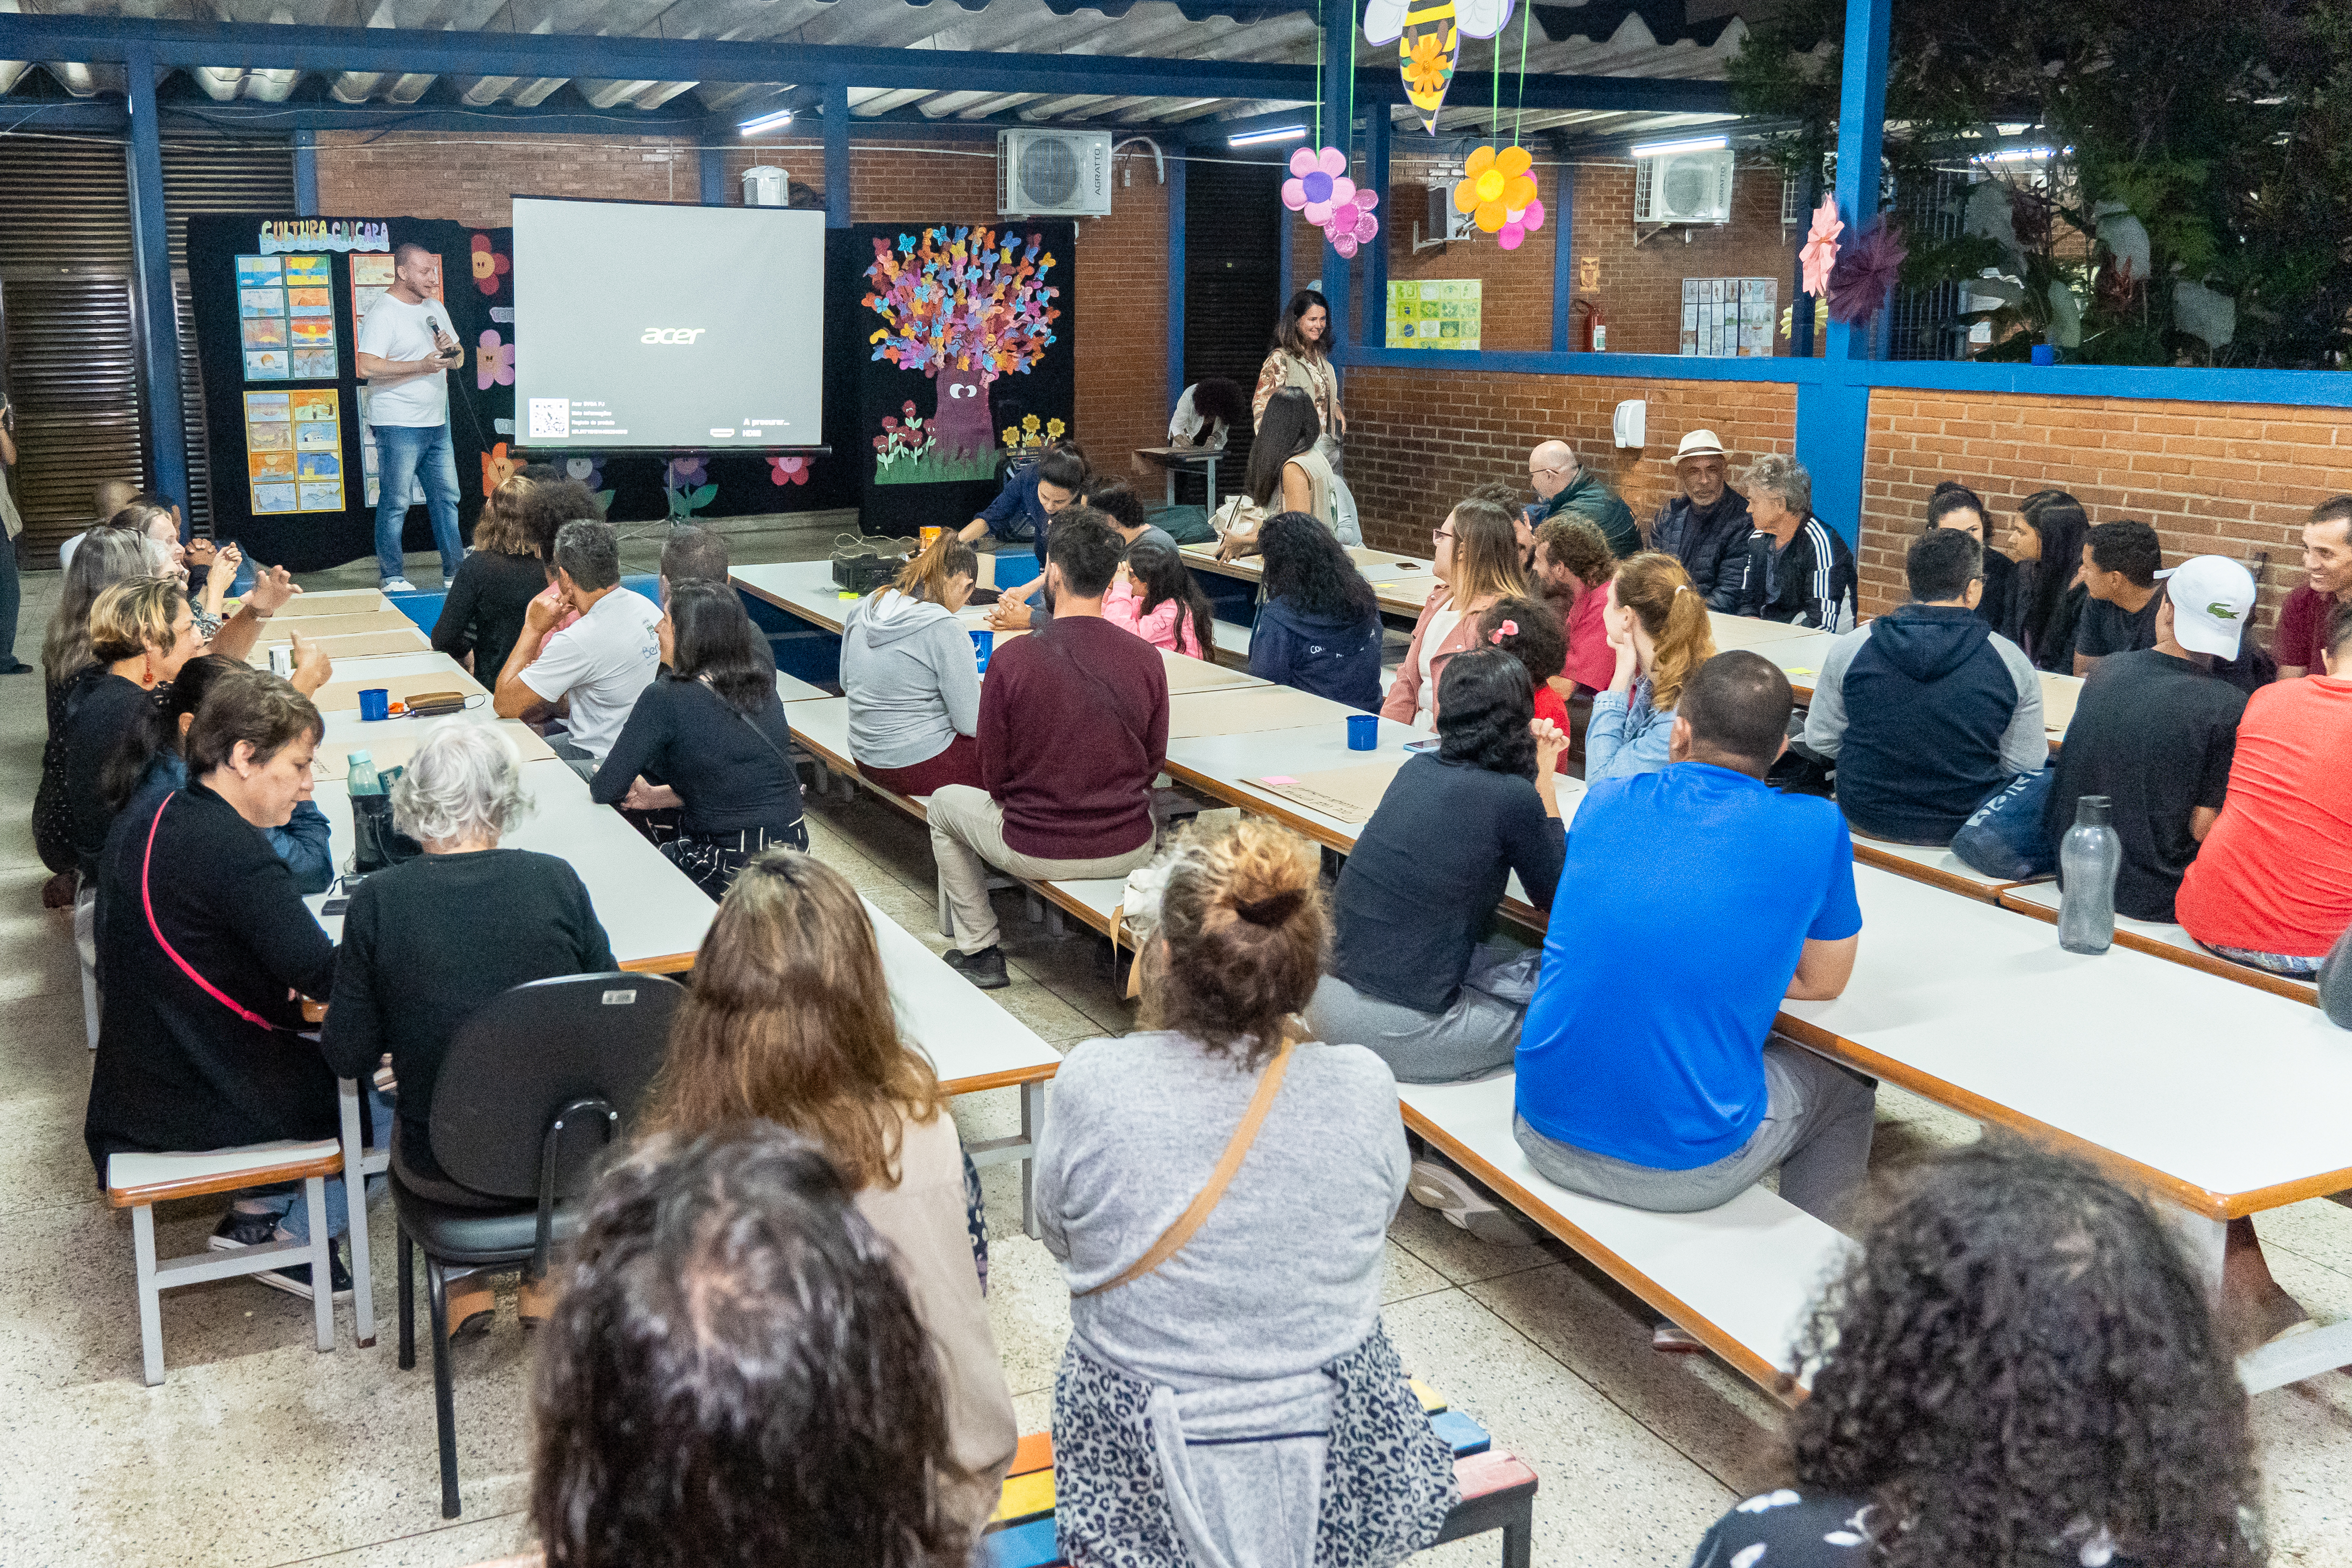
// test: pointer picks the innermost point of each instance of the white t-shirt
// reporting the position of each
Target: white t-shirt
(1184, 425)
(1441, 626)
(601, 662)
(394, 331)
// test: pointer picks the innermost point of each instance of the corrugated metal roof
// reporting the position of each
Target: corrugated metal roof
(1652, 38)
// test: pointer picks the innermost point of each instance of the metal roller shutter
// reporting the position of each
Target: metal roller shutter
(1233, 281)
(72, 354)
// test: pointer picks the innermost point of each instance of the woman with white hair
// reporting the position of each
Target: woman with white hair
(470, 920)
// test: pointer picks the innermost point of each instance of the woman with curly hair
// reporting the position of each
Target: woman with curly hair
(1318, 621)
(1408, 977)
(2018, 1369)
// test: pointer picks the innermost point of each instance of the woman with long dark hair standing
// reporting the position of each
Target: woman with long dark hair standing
(2045, 539)
(1301, 358)
(1318, 621)
(2018, 1369)
(710, 739)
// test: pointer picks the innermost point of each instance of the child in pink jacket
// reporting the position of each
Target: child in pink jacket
(1154, 597)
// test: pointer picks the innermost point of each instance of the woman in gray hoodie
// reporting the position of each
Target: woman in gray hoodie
(912, 679)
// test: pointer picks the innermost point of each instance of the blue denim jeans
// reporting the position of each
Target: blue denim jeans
(294, 1219)
(421, 453)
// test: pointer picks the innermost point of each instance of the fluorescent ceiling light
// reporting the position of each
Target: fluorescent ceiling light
(775, 121)
(1279, 133)
(2017, 155)
(1695, 145)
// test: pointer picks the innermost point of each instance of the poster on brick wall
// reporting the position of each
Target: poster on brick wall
(1435, 312)
(966, 364)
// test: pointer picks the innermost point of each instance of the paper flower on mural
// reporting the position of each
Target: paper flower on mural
(788, 470)
(589, 471)
(497, 468)
(1319, 186)
(1819, 253)
(488, 264)
(1866, 273)
(690, 469)
(1519, 224)
(1494, 184)
(964, 305)
(494, 363)
(683, 487)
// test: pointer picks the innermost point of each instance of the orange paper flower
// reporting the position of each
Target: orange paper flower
(497, 468)
(1427, 70)
(1494, 185)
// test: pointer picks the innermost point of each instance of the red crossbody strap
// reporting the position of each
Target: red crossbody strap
(147, 897)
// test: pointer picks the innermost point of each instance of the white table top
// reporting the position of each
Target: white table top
(792, 689)
(1752, 631)
(806, 588)
(1935, 863)
(1401, 582)
(973, 1042)
(2230, 1100)
(379, 666)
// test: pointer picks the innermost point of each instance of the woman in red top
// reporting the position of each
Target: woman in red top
(1529, 631)
(1572, 565)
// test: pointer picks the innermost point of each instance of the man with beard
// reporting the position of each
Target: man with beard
(1707, 524)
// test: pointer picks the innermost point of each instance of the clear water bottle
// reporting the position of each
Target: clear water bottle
(361, 779)
(2088, 858)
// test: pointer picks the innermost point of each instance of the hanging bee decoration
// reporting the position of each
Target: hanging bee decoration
(1428, 36)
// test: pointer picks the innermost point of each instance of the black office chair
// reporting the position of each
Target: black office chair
(537, 1086)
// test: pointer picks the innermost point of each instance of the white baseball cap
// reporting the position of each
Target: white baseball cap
(2212, 598)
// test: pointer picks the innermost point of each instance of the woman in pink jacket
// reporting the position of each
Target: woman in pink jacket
(1478, 564)
(1155, 597)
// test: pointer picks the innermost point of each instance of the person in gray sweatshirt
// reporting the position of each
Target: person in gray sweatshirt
(912, 675)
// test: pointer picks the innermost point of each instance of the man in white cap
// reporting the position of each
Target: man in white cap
(2154, 731)
(1563, 486)
(1708, 522)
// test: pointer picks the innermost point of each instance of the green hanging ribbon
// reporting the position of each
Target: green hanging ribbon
(1495, 113)
(1323, 36)
(1519, 114)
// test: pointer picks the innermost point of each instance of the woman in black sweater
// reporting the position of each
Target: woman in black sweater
(104, 558)
(488, 600)
(471, 920)
(1409, 979)
(709, 737)
(208, 950)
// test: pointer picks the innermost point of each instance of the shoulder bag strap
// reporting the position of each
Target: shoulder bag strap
(1172, 1239)
(147, 897)
(765, 738)
(1117, 712)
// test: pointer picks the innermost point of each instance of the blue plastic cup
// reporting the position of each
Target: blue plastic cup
(984, 643)
(1363, 732)
(2046, 354)
(376, 703)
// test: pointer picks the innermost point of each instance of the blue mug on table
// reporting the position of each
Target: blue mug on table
(376, 703)
(1363, 732)
(984, 642)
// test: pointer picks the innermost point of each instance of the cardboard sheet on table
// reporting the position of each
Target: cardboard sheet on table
(343, 696)
(1748, 631)
(1249, 709)
(311, 626)
(1350, 794)
(1186, 675)
(1381, 563)
(2059, 695)
(398, 739)
(337, 601)
(367, 643)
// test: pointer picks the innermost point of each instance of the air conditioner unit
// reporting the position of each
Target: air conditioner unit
(1052, 174)
(1684, 188)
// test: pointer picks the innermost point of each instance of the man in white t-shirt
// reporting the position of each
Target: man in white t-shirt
(406, 352)
(600, 662)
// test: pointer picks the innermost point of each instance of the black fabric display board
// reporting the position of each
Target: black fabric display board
(961, 335)
(478, 293)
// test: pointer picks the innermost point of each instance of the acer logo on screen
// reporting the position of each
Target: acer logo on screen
(672, 334)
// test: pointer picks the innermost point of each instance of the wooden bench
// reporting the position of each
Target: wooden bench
(1497, 1492)
(2158, 939)
(1739, 1279)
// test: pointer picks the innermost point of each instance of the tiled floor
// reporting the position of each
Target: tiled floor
(258, 1451)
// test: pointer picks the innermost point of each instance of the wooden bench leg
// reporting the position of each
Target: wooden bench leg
(150, 1306)
(1519, 1540)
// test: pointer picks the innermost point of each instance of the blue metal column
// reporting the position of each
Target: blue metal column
(1339, 29)
(1374, 331)
(712, 157)
(1175, 191)
(837, 153)
(159, 326)
(305, 172)
(1561, 221)
(1833, 417)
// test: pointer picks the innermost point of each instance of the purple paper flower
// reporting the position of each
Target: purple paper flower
(1865, 273)
(688, 470)
(589, 471)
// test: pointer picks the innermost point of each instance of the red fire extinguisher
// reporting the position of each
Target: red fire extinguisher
(1596, 331)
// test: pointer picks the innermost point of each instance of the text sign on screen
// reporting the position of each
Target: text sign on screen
(647, 326)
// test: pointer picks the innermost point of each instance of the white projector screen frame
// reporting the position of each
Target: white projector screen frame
(603, 366)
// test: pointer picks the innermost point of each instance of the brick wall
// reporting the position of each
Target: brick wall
(1418, 441)
(1515, 292)
(1119, 275)
(2212, 479)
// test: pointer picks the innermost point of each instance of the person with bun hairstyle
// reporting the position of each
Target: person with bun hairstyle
(1954, 506)
(1318, 621)
(1217, 1189)
(2046, 534)
(1477, 562)
(1409, 978)
(2016, 1369)
(911, 675)
(789, 1021)
(1528, 631)
(1656, 625)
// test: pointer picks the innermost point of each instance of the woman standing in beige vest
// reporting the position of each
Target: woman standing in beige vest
(1300, 361)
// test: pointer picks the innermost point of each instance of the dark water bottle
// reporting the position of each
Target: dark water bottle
(2088, 858)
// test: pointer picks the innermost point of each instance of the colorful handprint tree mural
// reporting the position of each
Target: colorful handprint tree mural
(965, 306)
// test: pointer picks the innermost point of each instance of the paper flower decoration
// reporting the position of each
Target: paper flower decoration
(1519, 224)
(788, 470)
(494, 363)
(488, 264)
(1319, 186)
(1494, 184)
(1819, 253)
(496, 469)
(1864, 275)
(691, 469)
(589, 471)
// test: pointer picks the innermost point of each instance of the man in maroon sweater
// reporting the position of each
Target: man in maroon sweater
(1072, 729)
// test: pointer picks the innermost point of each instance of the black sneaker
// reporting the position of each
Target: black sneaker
(984, 968)
(236, 1230)
(296, 1281)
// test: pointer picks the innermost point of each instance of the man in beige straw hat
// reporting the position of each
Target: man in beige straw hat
(1708, 522)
